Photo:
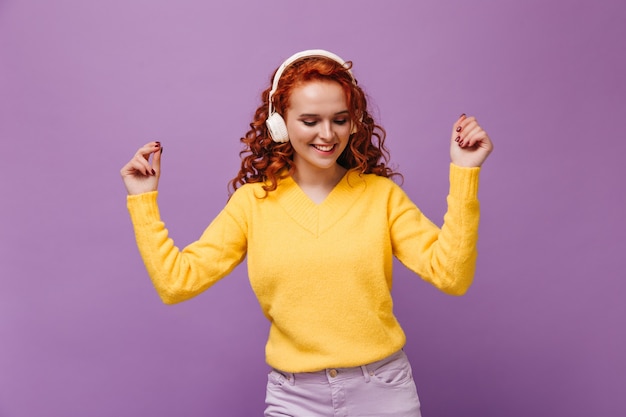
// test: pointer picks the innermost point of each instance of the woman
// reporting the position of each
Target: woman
(319, 220)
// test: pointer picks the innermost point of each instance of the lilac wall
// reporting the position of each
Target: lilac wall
(84, 83)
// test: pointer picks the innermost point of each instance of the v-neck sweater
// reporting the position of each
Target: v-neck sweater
(322, 273)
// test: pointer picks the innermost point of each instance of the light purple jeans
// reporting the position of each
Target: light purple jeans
(380, 389)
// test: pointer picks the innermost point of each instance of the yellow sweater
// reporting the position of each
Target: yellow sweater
(322, 272)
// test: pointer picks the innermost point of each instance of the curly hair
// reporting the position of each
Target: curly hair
(263, 160)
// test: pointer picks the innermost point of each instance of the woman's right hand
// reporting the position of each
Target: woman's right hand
(139, 175)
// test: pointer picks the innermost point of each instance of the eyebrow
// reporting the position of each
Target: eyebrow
(341, 113)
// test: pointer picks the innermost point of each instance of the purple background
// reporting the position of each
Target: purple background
(85, 83)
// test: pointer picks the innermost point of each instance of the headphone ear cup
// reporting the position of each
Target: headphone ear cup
(277, 128)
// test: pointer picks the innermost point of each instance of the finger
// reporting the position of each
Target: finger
(156, 159)
(461, 125)
(467, 123)
(467, 130)
(145, 152)
(134, 168)
(484, 142)
(148, 149)
(479, 140)
(458, 126)
(470, 134)
(140, 165)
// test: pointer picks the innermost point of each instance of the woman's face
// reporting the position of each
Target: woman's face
(318, 124)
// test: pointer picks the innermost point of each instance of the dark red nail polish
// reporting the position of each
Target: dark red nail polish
(153, 172)
(161, 150)
(458, 129)
(458, 138)
(462, 115)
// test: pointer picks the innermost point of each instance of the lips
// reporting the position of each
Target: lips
(324, 148)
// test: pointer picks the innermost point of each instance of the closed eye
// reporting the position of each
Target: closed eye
(311, 123)
(311, 120)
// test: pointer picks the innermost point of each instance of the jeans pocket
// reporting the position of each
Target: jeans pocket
(275, 378)
(394, 373)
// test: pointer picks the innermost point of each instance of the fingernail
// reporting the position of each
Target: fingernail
(153, 172)
(458, 129)
(458, 138)
(161, 150)
(463, 115)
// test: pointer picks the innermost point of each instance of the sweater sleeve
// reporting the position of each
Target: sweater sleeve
(446, 256)
(178, 275)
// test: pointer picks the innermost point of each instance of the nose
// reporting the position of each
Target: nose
(326, 131)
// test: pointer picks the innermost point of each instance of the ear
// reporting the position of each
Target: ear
(354, 128)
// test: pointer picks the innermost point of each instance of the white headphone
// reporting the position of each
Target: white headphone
(275, 122)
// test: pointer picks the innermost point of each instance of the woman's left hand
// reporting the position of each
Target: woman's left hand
(470, 144)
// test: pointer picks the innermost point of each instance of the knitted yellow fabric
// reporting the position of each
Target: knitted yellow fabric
(322, 272)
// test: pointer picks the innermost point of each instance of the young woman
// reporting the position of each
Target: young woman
(319, 219)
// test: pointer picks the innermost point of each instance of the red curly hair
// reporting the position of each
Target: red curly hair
(263, 160)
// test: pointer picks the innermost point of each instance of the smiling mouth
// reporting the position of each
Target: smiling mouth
(324, 148)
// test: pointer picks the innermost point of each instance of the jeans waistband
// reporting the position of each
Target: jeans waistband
(339, 374)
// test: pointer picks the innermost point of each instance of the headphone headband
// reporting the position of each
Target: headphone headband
(297, 56)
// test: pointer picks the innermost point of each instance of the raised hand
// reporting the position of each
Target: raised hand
(139, 175)
(470, 144)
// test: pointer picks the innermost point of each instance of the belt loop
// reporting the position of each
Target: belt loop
(366, 373)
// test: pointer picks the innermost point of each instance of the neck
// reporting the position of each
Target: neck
(317, 184)
(319, 177)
